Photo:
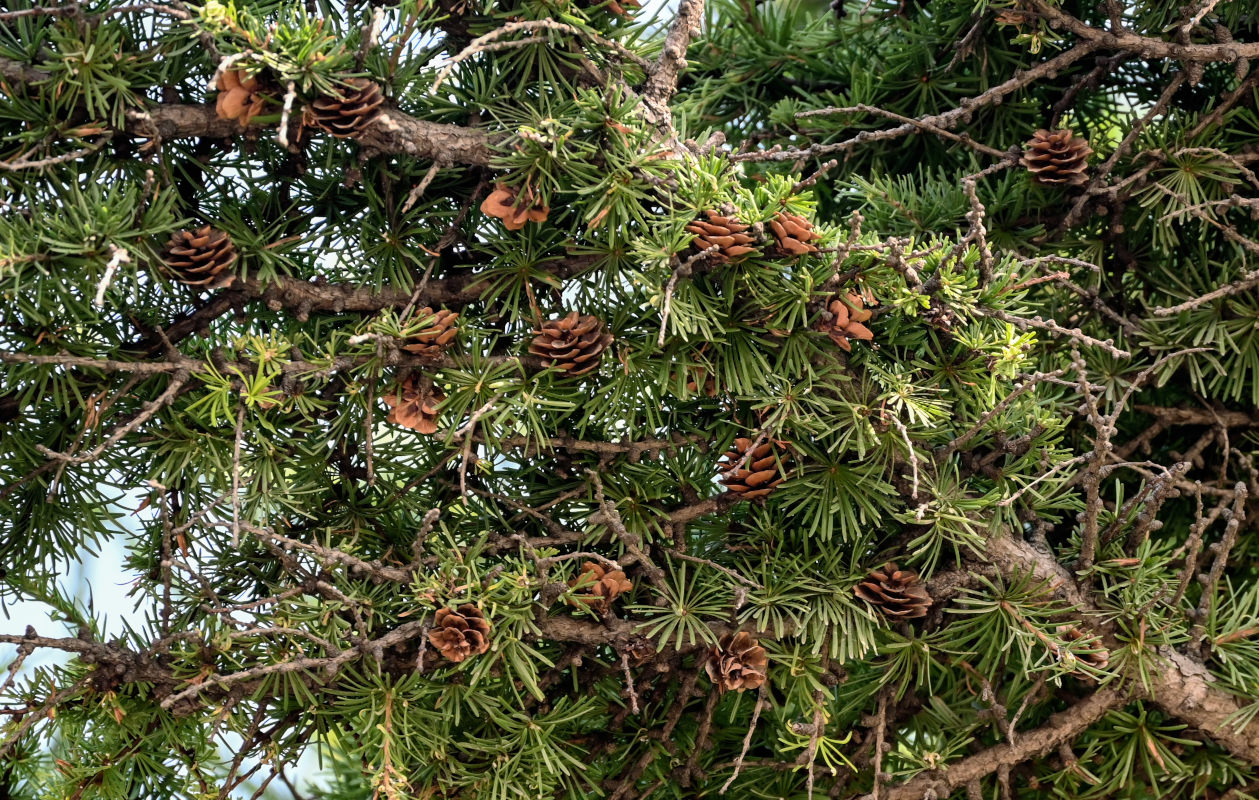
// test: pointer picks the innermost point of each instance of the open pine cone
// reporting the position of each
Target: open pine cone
(239, 97)
(438, 332)
(758, 476)
(897, 593)
(413, 404)
(346, 116)
(598, 587)
(848, 313)
(793, 234)
(725, 233)
(738, 664)
(572, 344)
(1057, 158)
(514, 206)
(202, 258)
(459, 634)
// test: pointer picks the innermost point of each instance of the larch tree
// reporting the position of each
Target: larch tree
(567, 399)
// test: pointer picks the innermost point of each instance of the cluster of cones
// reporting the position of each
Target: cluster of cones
(724, 239)
(345, 114)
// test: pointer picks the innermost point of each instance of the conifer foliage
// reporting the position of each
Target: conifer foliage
(501, 399)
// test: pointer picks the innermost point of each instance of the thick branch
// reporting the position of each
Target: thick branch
(1061, 728)
(393, 131)
(1181, 686)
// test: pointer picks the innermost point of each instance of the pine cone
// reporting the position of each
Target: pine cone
(239, 97)
(726, 233)
(514, 206)
(899, 594)
(848, 312)
(459, 634)
(739, 663)
(1097, 657)
(438, 332)
(624, 8)
(638, 650)
(346, 116)
(573, 343)
(1057, 158)
(597, 587)
(758, 476)
(793, 233)
(414, 404)
(700, 380)
(203, 258)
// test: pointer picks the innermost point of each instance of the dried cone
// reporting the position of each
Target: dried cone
(899, 594)
(725, 233)
(203, 258)
(1097, 657)
(514, 207)
(848, 313)
(572, 344)
(413, 404)
(459, 634)
(758, 476)
(738, 664)
(597, 587)
(438, 332)
(1058, 158)
(239, 98)
(348, 115)
(793, 233)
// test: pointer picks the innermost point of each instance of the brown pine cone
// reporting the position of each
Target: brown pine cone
(202, 258)
(700, 381)
(1057, 158)
(438, 332)
(1097, 656)
(760, 473)
(848, 312)
(597, 587)
(348, 114)
(793, 234)
(740, 663)
(514, 206)
(725, 233)
(899, 594)
(638, 650)
(239, 97)
(459, 634)
(414, 404)
(572, 344)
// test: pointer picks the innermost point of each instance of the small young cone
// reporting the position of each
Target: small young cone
(727, 234)
(793, 233)
(203, 258)
(572, 344)
(1098, 656)
(738, 664)
(897, 593)
(413, 404)
(514, 206)
(239, 97)
(438, 332)
(759, 475)
(598, 587)
(847, 317)
(1057, 158)
(348, 115)
(459, 634)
